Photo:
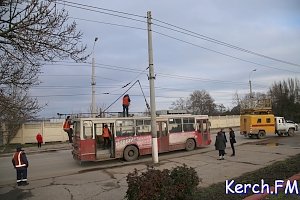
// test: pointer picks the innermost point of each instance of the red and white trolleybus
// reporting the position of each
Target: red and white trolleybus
(131, 136)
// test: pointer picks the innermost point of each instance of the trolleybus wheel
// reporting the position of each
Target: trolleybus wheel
(131, 153)
(190, 145)
(291, 132)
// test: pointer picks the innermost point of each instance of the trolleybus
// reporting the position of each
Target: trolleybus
(131, 136)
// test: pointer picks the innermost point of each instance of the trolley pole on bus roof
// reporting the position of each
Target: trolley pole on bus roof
(152, 92)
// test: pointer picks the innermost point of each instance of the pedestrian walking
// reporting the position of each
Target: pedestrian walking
(232, 140)
(220, 144)
(20, 163)
(67, 128)
(39, 139)
(106, 137)
(126, 103)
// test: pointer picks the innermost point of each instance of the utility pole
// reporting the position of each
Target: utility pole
(152, 92)
(93, 83)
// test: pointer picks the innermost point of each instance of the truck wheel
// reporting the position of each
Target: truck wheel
(261, 134)
(131, 153)
(190, 145)
(291, 132)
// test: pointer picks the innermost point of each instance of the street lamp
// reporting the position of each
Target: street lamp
(254, 70)
(93, 83)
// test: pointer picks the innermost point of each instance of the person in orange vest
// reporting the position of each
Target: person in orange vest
(106, 134)
(126, 103)
(20, 163)
(67, 128)
(39, 139)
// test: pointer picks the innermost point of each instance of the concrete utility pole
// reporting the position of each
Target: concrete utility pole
(93, 83)
(152, 92)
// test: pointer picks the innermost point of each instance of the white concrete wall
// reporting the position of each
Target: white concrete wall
(53, 132)
(224, 121)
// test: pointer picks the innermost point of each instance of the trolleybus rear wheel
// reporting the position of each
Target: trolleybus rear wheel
(190, 145)
(131, 153)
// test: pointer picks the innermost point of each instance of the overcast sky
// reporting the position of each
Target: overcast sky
(182, 63)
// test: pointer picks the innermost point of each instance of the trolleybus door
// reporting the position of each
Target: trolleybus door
(88, 142)
(163, 137)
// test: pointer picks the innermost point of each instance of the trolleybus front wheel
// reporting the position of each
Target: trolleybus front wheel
(131, 153)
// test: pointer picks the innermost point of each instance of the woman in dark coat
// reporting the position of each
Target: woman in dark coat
(220, 144)
(232, 140)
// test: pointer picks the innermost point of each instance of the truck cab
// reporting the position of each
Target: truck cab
(283, 128)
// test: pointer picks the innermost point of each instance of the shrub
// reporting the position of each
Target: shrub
(179, 183)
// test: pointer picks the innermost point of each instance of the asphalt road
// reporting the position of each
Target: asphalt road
(60, 163)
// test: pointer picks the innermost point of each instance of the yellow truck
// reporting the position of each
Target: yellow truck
(257, 120)
(258, 125)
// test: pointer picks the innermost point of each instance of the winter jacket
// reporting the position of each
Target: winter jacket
(220, 142)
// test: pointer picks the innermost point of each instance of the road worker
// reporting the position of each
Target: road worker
(67, 128)
(126, 103)
(106, 134)
(20, 163)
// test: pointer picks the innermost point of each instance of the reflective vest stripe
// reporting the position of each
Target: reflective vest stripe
(19, 161)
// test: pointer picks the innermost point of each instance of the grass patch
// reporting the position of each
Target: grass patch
(279, 170)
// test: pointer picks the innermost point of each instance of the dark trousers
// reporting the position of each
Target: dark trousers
(70, 135)
(21, 175)
(39, 144)
(232, 147)
(106, 142)
(221, 152)
(125, 111)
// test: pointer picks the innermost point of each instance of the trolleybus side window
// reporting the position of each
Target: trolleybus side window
(125, 127)
(87, 130)
(188, 124)
(175, 125)
(268, 120)
(143, 127)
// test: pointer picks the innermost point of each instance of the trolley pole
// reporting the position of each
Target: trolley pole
(152, 92)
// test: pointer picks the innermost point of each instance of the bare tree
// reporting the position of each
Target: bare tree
(180, 104)
(32, 33)
(201, 102)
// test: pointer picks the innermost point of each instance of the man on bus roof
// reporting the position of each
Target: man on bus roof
(126, 103)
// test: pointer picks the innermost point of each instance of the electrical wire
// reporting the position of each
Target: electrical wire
(200, 36)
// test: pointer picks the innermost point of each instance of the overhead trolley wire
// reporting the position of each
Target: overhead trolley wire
(201, 36)
(100, 8)
(92, 8)
(224, 54)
